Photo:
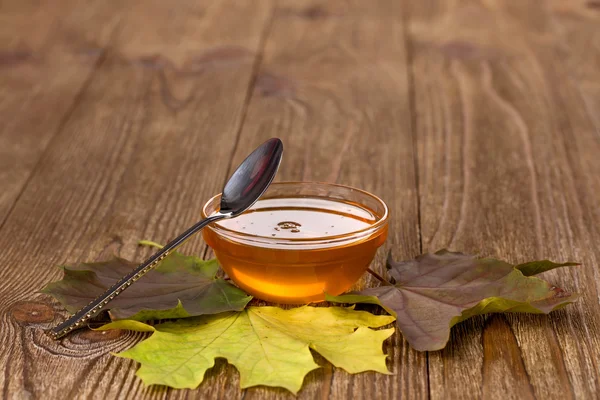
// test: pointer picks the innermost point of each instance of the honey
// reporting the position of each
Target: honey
(294, 249)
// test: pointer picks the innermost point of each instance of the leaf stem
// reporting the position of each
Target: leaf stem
(150, 243)
(379, 277)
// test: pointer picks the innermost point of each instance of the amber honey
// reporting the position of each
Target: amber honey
(293, 247)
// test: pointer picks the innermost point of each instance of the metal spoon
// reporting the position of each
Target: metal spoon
(243, 189)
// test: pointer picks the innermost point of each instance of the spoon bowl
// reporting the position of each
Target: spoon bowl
(252, 178)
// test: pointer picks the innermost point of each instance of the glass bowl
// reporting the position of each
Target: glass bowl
(299, 241)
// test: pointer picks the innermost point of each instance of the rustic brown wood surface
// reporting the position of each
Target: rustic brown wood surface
(478, 122)
(507, 167)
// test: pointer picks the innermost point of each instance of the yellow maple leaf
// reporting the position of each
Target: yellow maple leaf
(268, 345)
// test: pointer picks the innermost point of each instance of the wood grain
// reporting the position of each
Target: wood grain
(148, 141)
(475, 120)
(505, 146)
(47, 57)
(575, 24)
(333, 85)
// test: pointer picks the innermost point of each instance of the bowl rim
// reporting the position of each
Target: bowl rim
(352, 235)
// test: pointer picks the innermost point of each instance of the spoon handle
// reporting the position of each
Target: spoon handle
(83, 315)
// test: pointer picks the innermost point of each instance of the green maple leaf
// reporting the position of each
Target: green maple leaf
(436, 291)
(180, 286)
(268, 345)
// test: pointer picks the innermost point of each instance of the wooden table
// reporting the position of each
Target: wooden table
(477, 121)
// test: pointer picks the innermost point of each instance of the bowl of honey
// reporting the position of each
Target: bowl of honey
(299, 241)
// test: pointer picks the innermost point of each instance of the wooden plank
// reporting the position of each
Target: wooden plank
(148, 142)
(47, 55)
(333, 86)
(508, 167)
(576, 25)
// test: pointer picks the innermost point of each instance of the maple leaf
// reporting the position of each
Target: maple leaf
(436, 291)
(268, 345)
(180, 286)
